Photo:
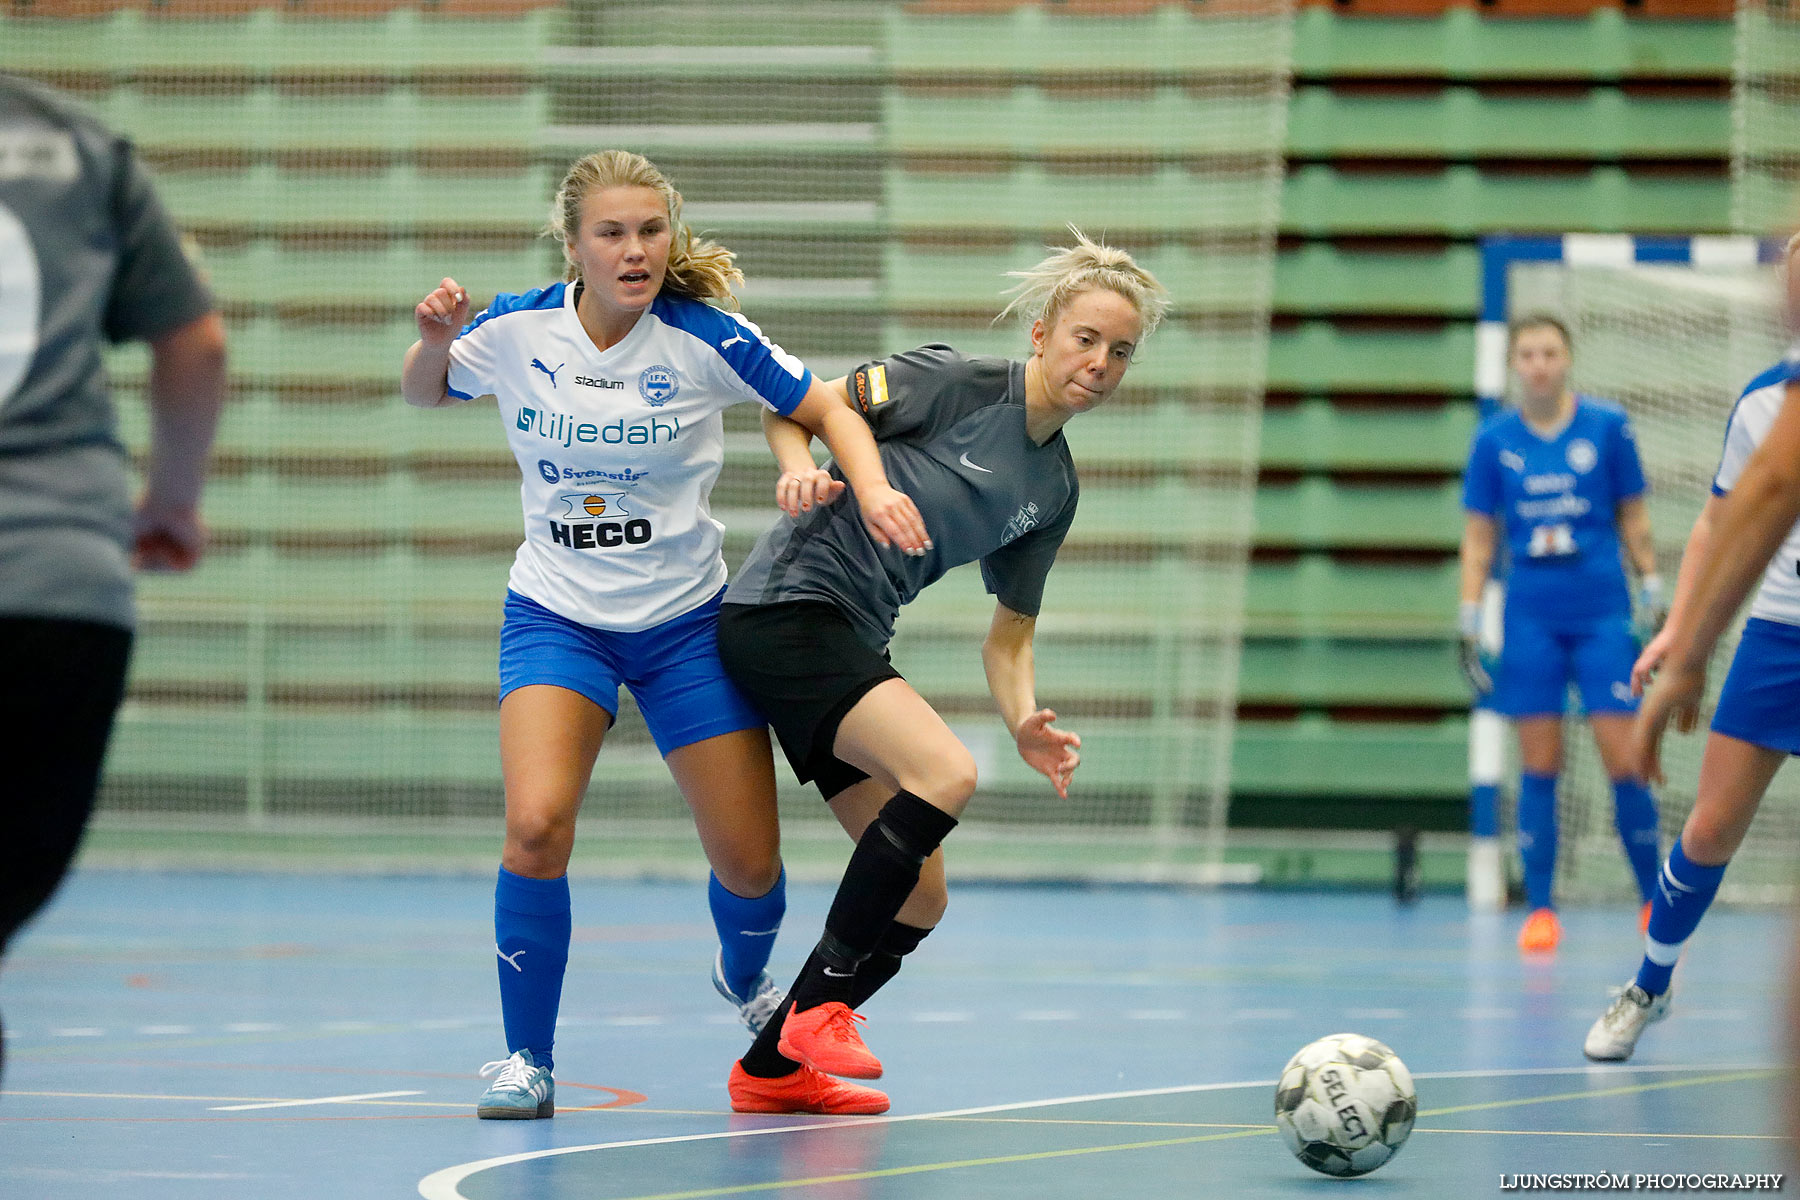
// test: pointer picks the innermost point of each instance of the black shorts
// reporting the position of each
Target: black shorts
(802, 666)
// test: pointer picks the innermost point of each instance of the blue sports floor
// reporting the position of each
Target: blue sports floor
(224, 1037)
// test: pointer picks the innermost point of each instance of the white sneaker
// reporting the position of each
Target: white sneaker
(523, 1092)
(1615, 1034)
(755, 1009)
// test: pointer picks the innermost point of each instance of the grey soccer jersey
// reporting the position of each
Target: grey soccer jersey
(86, 253)
(951, 431)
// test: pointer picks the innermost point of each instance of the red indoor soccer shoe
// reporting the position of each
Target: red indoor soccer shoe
(824, 1037)
(804, 1091)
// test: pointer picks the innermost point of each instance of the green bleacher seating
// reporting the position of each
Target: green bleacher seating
(1461, 122)
(1441, 279)
(1603, 45)
(934, 151)
(1464, 201)
(1316, 435)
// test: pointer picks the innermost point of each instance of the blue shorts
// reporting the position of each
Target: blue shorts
(1760, 702)
(672, 669)
(1540, 659)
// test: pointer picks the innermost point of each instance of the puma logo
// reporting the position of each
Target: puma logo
(736, 338)
(538, 363)
(511, 960)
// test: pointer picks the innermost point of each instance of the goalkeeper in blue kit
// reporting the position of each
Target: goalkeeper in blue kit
(1558, 482)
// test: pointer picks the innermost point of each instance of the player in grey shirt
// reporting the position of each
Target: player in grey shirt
(87, 256)
(954, 428)
(978, 444)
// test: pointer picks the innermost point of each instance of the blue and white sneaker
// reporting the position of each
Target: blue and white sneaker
(756, 1009)
(524, 1091)
(1615, 1035)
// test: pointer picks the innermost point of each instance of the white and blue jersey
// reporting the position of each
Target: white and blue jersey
(1760, 701)
(618, 449)
(1556, 499)
(1778, 599)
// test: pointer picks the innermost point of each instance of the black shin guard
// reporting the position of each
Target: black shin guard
(884, 870)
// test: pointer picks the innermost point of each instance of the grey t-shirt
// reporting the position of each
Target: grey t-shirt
(951, 432)
(86, 253)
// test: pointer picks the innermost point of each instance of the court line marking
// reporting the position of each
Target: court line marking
(618, 1105)
(1728, 1077)
(1746, 1137)
(922, 1168)
(1584, 1133)
(443, 1184)
(315, 1100)
(1068, 1152)
(121, 1096)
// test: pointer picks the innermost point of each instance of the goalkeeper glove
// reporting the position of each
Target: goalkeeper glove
(1652, 609)
(1470, 656)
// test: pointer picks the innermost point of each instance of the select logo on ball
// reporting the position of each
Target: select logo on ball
(1345, 1104)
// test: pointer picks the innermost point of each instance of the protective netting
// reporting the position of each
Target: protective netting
(1765, 147)
(877, 166)
(1675, 345)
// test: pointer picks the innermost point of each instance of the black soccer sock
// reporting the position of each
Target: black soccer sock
(900, 940)
(764, 1059)
(882, 873)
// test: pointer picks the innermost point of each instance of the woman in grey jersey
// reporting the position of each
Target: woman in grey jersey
(977, 444)
(87, 256)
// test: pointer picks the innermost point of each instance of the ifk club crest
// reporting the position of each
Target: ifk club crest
(658, 385)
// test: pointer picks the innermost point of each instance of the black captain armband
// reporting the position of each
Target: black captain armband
(868, 387)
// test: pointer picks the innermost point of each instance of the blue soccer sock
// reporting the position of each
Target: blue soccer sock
(1537, 837)
(1484, 809)
(747, 927)
(1634, 814)
(531, 937)
(1683, 893)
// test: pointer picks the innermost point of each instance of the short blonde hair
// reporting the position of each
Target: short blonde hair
(698, 268)
(1045, 290)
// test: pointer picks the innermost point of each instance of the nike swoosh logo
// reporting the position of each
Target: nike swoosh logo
(838, 974)
(758, 932)
(964, 460)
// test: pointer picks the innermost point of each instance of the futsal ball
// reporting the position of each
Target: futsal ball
(1345, 1104)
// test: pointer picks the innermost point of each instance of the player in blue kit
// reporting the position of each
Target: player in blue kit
(1559, 479)
(610, 385)
(1755, 727)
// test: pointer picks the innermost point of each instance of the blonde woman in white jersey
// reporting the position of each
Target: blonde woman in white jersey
(1755, 727)
(610, 385)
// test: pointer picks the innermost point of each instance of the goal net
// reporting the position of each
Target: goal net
(1671, 329)
(325, 681)
(1765, 109)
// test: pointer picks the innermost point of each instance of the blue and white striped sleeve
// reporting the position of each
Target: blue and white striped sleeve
(1743, 432)
(764, 369)
(472, 359)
